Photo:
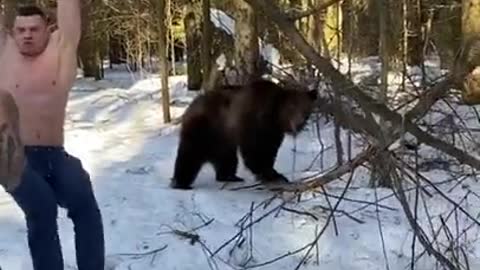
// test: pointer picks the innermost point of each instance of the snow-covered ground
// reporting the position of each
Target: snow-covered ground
(115, 127)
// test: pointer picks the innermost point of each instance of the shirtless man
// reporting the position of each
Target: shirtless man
(37, 69)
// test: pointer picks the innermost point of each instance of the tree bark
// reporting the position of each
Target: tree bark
(246, 42)
(415, 40)
(192, 22)
(88, 51)
(162, 50)
(9, 11)
(381, 170)
(447, 32)
(315, 33)
(333, 28)
(206, 45)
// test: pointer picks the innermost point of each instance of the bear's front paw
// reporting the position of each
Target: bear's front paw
(232, 178)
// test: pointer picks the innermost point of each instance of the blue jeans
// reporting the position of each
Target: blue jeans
(52, 176)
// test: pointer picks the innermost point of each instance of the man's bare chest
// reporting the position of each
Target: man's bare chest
(31, 78)
(20, 73)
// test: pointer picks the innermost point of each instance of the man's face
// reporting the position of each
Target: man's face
(31, 34)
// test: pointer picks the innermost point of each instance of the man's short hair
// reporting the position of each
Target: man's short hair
(31, 10)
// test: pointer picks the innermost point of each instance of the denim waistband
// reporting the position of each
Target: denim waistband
(44, 148)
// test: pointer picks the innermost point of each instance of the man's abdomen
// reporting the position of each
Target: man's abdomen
(42, 131)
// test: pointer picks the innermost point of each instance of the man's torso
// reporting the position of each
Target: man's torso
(39, 90)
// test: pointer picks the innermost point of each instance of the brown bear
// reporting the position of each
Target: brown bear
(253, 118)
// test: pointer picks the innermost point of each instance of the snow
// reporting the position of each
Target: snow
(115, 127)
(221, 20)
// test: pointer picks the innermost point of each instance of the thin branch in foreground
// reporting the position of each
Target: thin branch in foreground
(443, 195)
(387, 265)
(241, 239)
(190, 234)
(143, 254)
(298, 212)
(275, 209)
(263, 204)
(343, 212)
(418, 231)
(334, 220)
(210, 257)
(361, 202)
(417, 194)
(451, 243)
(302, 261)
(308, 247)
(436, 234)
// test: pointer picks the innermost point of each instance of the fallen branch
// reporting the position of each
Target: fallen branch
(298, 212)
(315, 182)
(357, 220)
(190, 234)
(361, 202)
(142, 254)
(349, 120)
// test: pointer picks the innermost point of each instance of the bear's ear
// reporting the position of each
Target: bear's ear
(313, 94)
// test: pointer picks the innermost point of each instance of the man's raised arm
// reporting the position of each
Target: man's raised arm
(69, 21)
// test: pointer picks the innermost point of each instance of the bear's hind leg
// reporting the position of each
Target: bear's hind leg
(188, 163)
(225, 163)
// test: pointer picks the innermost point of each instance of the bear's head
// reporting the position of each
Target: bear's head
(295, 109)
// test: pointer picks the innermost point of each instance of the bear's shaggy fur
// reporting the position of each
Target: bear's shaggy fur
(253, 118)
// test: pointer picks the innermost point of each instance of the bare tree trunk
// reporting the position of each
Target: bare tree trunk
(9, 6)
(367, 34)
(336, 14)
(192, 22)
(117, 53)
(447, 28)
(162, 50)
(246, 42)
(415, 40)
(171, 37)
(88, 50)
(348, 38)
(315, 34)
(206, 44)
(405, 6)
(381, 169)
(333, 28)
